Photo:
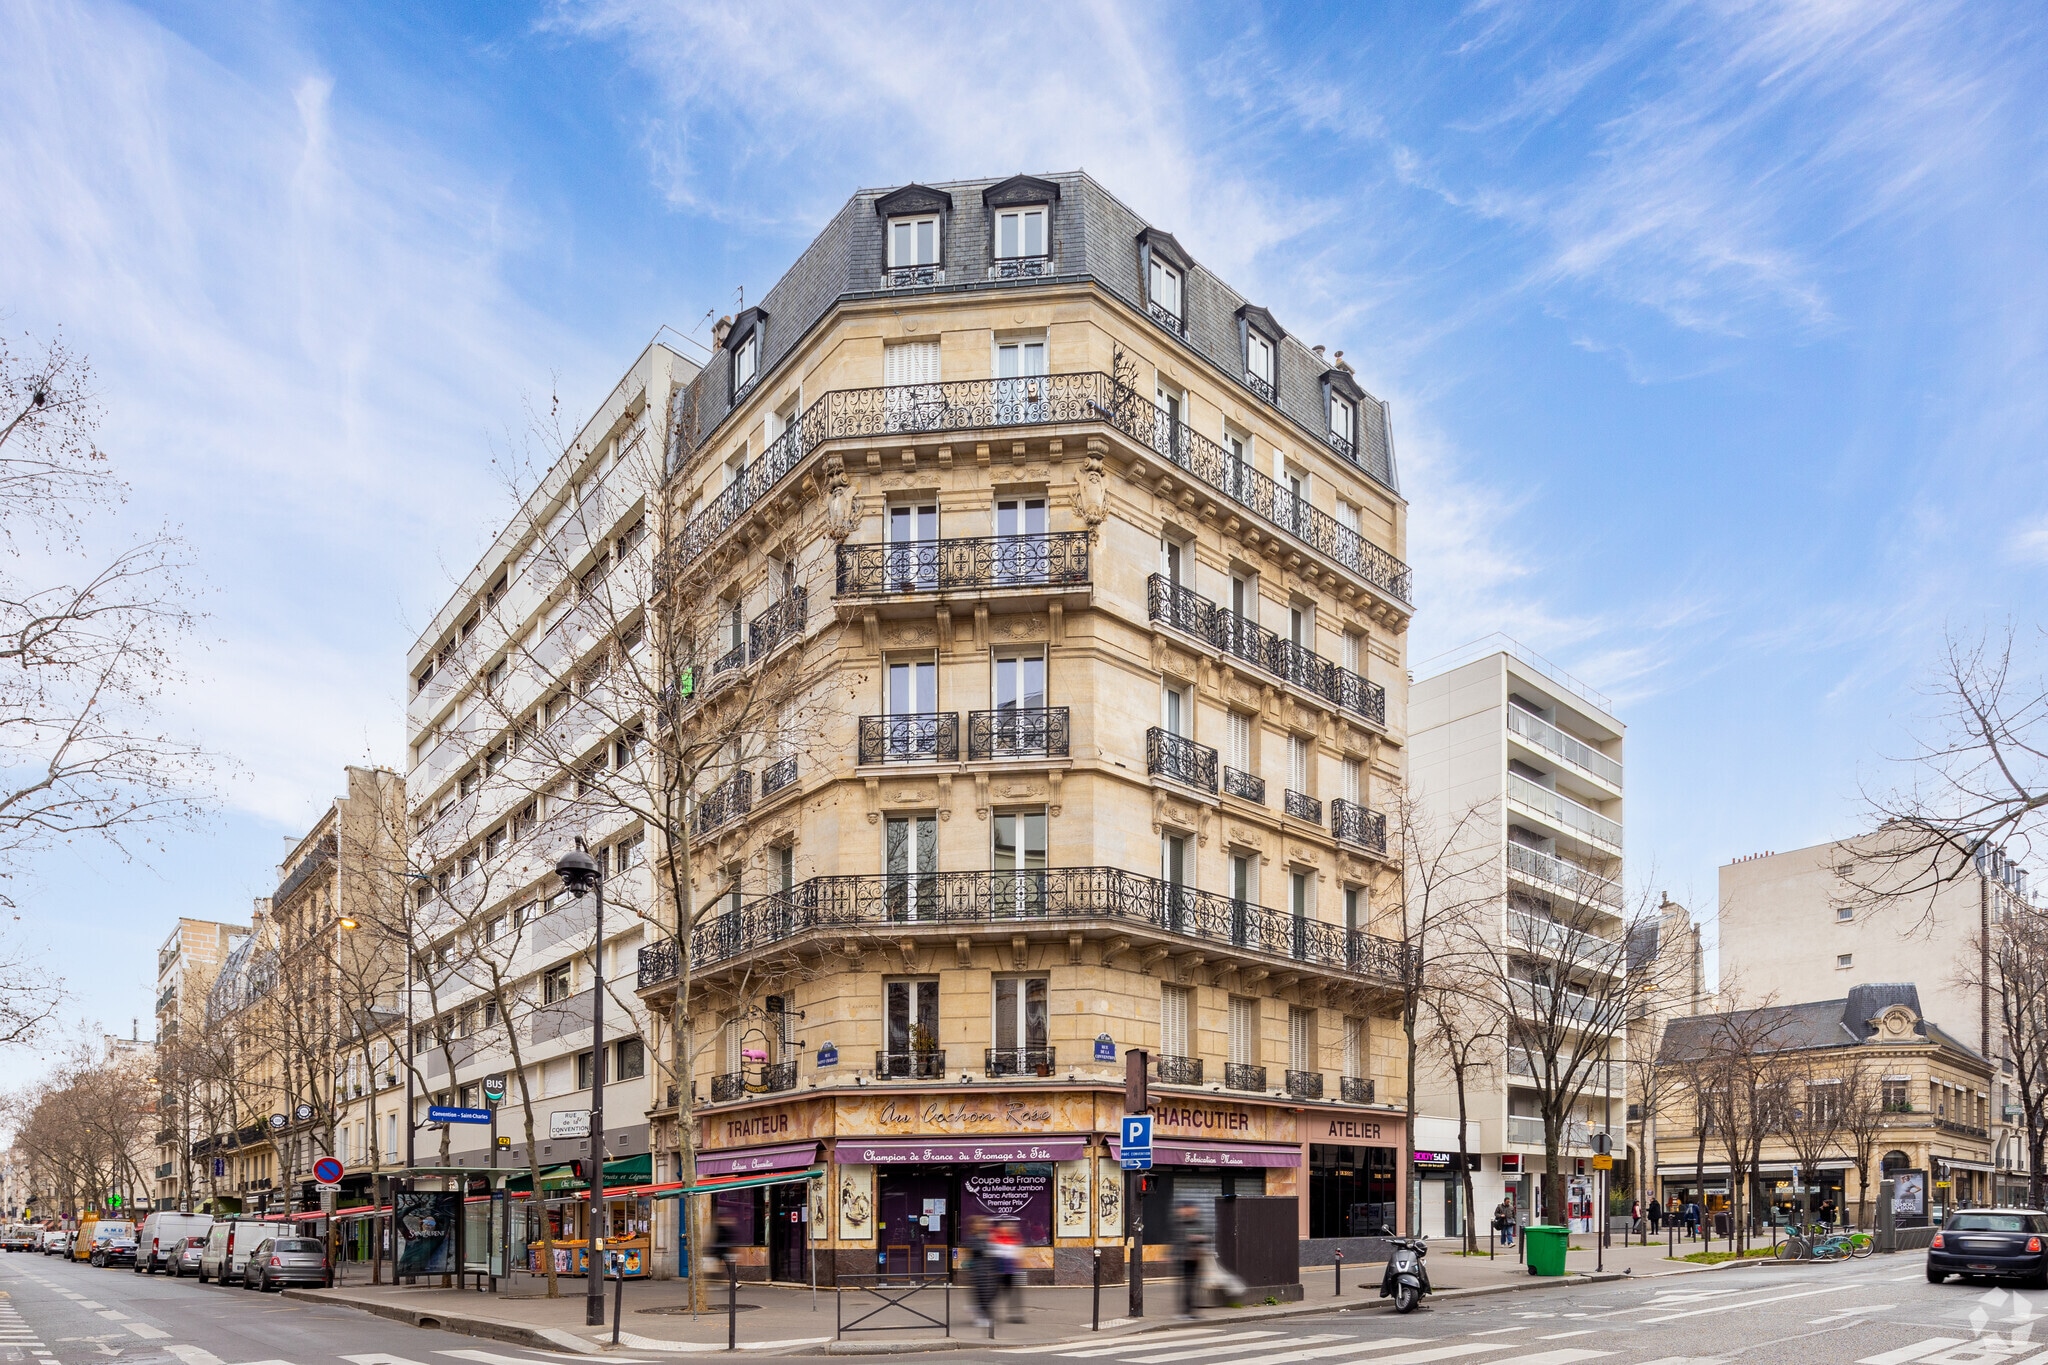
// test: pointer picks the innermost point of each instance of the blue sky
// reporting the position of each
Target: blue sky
(1714, 334)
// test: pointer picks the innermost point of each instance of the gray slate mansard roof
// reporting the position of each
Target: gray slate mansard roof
(1092, 236)
(1812, 1026)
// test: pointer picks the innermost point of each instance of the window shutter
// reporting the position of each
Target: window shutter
(1244, 1031)
(1354, 1047)
(1173, 1020)
(1240, 756)
(1301, 1039)
(911, 362)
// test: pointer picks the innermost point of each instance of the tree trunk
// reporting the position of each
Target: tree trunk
(1464, 1165)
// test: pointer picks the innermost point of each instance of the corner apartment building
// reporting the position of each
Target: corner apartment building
(1530, 760)
(187, 965)
(1100, 567)
(1797, 925)
(501, 955)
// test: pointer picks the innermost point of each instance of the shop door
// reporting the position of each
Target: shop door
(789, 1257)
(915, 1222)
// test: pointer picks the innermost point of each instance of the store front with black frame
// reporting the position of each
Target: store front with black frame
(1351, 1190)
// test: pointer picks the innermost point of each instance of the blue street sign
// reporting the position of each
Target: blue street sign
(1137, 1143)
(444, 1114)
(828, 1055)
(1105, 1048)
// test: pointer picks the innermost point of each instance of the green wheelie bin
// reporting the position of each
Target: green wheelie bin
(1544, 1248)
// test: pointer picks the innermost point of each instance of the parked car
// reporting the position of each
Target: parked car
(280, 1261)
(18, 1237)
(1991, 1244)
(113, 1244)
(160, 1235)
(56, 1241)
(228, 1243)
(185, 1258)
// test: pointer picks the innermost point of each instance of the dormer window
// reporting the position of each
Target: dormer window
(1343, 400)
(913, 242)
(1343, 423)
(1020, 233)
(1165, 289)
(744, 344)
(1258, 362)
(913, 236)
(1262, 337)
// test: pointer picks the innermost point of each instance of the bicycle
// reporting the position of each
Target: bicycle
(1816, 1245)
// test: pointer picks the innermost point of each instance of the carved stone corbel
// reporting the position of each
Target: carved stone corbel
(1073, 950)
(963, 949)
(1018, 958)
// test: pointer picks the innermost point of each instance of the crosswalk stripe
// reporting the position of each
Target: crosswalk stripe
(145, 1331)
(1564, 1355)
(1913, 1352)
(193, 1355)
(1466, 1348)
(1182, 1334)
(379, 1360)
(1204, 1349)
(1145, 1345)
(1748, 1303)
(1329, 1352)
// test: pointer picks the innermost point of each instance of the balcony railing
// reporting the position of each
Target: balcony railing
(1020, 267)
(1240, 1076)
(1302, 806)
(726, 802)
(1305, 1085)
(1356, 1090)
(1048, 400)
(1180, 758)
(1053, 559)
(1345, 447)
(922, 737)
(1018, 1061)
(1244, 786)
(777, 775)
(783, 621)
(735, 1085)
(729, 1086)
(1567, 877)
(1191, 613)
(1177, 1070)
(1961, 1129)
(731, 661)
(1167, 318)
(912, 276)
(1528, 1132)
(659, 962)
(1609, 1076)
(951, 899)
(1360, 825)
(1562, 810)
(1569, 748)
(910, 1066)
(1259, 385)
(1018, 732)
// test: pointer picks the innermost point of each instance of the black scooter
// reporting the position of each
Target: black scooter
(1405, 1280)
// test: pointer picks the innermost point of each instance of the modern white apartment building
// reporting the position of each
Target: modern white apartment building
(1529, 760)
(1798, 926)
(502, 953)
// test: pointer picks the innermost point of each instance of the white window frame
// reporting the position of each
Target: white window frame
(746, 359)
(912, 222)
(1022, 215)
(1343, 418)
(1176, 282)
(1258, 355)
(1023, 348)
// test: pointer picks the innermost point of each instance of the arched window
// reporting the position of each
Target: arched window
(1895, 1161)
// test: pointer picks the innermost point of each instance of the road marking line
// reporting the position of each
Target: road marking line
(360, 1360)
(1469, 1348)
(1496, 1331)
(1560, 1336)
(1913, 1352)
(1181, 1334)
(198, 1355)
(1564, 1356)
(1216, 1340)
(113, 1315)
(1327, 1352)
(145, 1331)
(1748, 1303)
(1204, 1348)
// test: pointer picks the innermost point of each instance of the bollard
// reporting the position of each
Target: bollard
(1095, 1320)
(1337, 1277)
(732, 1304)
(618, 1302)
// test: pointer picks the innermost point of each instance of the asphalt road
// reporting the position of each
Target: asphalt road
(58, 1312)
(1879, 1311)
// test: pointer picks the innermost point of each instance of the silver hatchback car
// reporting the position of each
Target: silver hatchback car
(280, 1261)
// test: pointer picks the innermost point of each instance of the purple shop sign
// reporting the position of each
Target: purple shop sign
(910, 1152)
(787, 1157)
(1026, 1198)
(1242, 1156)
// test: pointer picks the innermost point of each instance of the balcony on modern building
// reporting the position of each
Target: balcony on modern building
(955, 410)
(1177, 757)
(929, 1065)
(1301, 806)
(1554, 876)
(1574, 944)
(724, 803)
(1564, 817)
(1243, 1076)
(1233, 637)
(1527, 1131)
(1177, 1070)
(1358, 825)
(1126, 911)
(912, 737)
(1602, 772)
(987, 567)
(1532, 1001)
(1610, 1077)
(1017, 732)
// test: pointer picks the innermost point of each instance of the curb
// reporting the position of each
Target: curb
(514, 1334)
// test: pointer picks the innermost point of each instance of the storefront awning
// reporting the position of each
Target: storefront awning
(747, 1161)
(1956, 1163)
(741, 1183)
(915, 1151)
(1222, 1155)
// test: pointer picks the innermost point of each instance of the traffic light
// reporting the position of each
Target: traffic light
(580, 1169)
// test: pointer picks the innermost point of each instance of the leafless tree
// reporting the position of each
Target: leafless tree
(82, 1126)
(32, 997)
(2011, 969)
(89, 637)
(1810, 1112)
(1464, 1031)
(1737, 1053)
(1863, 1121)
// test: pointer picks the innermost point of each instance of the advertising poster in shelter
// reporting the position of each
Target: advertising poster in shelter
(426, 1231)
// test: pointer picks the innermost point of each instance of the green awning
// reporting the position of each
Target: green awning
(720, 1186)
(627, 1170)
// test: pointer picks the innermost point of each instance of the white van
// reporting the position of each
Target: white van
(229, 1242)
(158, 1240)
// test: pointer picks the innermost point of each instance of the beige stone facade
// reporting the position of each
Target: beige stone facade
(1108, 649)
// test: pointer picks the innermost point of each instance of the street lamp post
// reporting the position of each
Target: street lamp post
(578, 871)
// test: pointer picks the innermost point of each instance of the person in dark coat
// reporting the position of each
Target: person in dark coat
(1656, 1216)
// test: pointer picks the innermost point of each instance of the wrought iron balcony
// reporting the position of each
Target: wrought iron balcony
(1355, 1090)
(1302, 806)
(1305, 1085)
(731, 1085)
(1180, 758)
(1018, 732)
(1259, 385)
(1232, 635)
(838, 904)
(1048, 400)
(726, 802)
(777, 775)
(912, 1066)
(770, 1080)
(1960, 1129)
(659, 962)
(1360, 825)
(1020, 268)
(1166, 318)
(919, 737)
(1052, 559)
(1345, 447)
(912, 276)
(1244, 786)
(1019, 1061)
(1177, 1070)
(779, 1077)
(1240, 1076)
(781, 622)
(730, 661)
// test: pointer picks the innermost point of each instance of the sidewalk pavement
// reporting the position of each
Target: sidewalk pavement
(784, 1320)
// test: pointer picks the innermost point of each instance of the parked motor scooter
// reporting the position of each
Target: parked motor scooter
(1405, 1279)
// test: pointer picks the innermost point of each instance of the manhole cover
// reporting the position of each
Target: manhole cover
(717, 1307)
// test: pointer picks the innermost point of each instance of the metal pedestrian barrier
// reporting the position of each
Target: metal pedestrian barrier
(894, 1291)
